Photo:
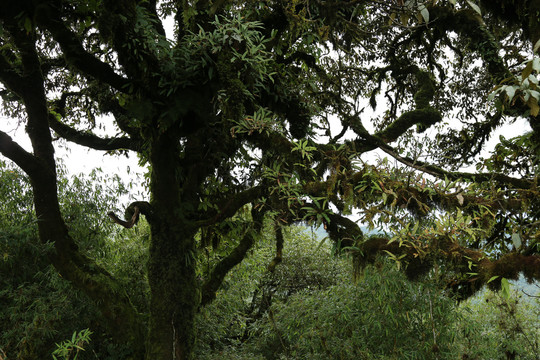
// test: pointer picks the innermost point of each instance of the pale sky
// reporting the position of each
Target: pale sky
(79, 159)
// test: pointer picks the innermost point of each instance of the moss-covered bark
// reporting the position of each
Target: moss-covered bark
(423, 116)
(174, 292)
(174, 297)
(473, 268)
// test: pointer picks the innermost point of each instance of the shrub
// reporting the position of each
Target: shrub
(38, 308)
(233, 317)
(495, 327)
(383, 316)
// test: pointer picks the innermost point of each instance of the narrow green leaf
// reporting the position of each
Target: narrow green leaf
(425, 14)
(28, 24)
(536, 46)
(475, 7)
(516, 240)
(505, 285)
(527, 71)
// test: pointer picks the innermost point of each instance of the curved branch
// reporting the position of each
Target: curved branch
(132, 213)
(469, 24)
(368, 142)
(424, 115)
(221, 269)
(230, 206)
(90, 140)
(25, 160)
(127, 224)
(442, 174)
(343, 230)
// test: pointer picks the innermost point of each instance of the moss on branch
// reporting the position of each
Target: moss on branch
(279, 249)
(423, 116)
(471, 268)
(132, 214)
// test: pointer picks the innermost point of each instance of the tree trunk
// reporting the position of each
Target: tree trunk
(174, 296)
(122, 320)
(174, 293)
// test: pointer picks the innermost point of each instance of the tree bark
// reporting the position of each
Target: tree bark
(174, 296)
(174, 292)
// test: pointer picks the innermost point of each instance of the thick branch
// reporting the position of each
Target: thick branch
(409, 194)
(221, 269)
(470, 25)
(442, 174)
(9, 77)
(231, 205)
(428, 116)
(368, 142)
(130, 43)
(132, 213)
(343, 230)
(225, 265)
(90, 140)
(474, 268)
(19, 156)
(279, 249)
(75, 53)
(424, 115)
(33, 95)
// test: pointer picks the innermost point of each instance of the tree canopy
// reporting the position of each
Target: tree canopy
(261, 109)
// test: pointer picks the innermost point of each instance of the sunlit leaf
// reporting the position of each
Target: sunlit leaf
(536, 64)
(536, 46)
(425, 14)
(475, 7)
(535, 94)
(510, 92)
(516, 240)
(527, 71)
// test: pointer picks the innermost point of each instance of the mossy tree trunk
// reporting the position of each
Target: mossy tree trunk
(174, 296)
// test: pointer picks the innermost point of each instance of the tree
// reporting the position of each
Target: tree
(232, 113)
(38, 308)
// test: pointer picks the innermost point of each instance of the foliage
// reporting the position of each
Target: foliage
(72, 346)
(38, 307)
(495, 327)
(250, 289)
(306, 307)
(307, 266)
(383, 316)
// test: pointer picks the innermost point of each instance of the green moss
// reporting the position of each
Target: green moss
(426, 89)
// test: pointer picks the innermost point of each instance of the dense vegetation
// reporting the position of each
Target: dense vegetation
(251, 117)
(310, 306)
